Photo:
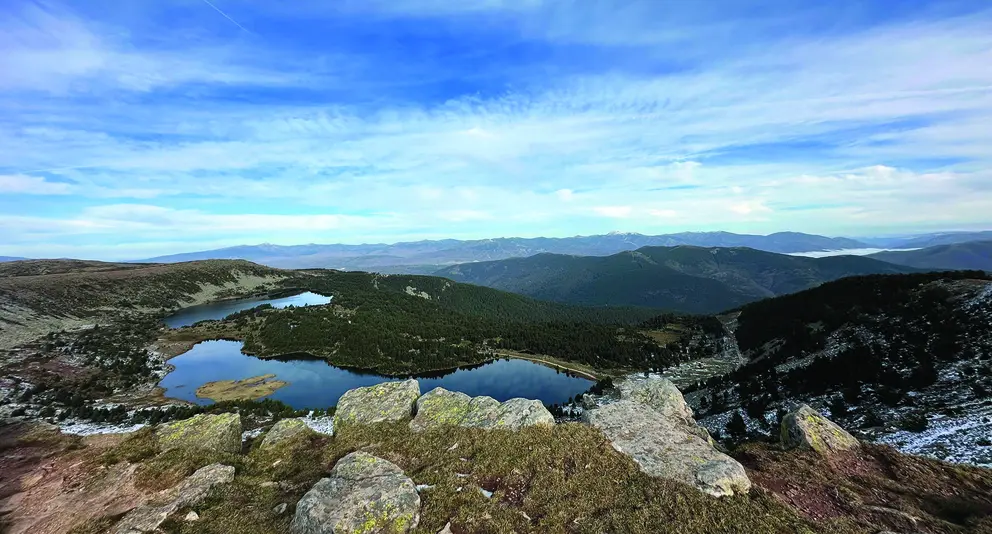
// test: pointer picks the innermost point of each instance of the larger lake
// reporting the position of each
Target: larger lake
(316, 384)
(220, 310)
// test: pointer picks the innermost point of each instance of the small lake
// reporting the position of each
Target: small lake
(220, 310)
(314, 383)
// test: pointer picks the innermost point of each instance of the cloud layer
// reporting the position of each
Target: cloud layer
(175, 126)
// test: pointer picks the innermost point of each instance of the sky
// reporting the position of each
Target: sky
(148, 127)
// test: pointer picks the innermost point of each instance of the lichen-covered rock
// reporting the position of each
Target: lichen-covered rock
(283, 431)
(189, 492)
(389, 401)
(218, 433)
(363, 494)
(806, 428)
(440, 407)
(666, 447)
(657, 393)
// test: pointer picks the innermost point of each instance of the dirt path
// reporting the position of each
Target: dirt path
(549, 363)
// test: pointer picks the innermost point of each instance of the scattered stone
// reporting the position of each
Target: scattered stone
(363, 494)
(284, 430)
(666, 447)
(218, 433)
(389, 401)
(189, 492)
(446, 529)
(441, 407)
(805, 428)
(280, 508)
(191, 516)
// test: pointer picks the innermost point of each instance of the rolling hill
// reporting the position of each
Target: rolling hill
(683, 278)
(427, 256)
(958, 256)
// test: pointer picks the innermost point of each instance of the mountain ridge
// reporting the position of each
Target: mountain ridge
(973, 255)
(453, 251)
(683, 278)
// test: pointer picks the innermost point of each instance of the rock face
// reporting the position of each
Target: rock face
(219, 433)
(189, 492)
(363, 494)
(284, 430)
(806, 428)
(441, 407)
(653, 425)
(389, 401)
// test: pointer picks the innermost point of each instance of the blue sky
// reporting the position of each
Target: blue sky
(132, 129)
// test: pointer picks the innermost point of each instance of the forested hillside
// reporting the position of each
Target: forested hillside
(403, 324)
(684, 278)
(879, 352)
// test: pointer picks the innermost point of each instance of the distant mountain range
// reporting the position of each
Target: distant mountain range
(10, 258)
(426, 256)
(975, 255)
(927, 240)
(682, 278)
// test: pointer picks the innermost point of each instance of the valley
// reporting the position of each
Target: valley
(898, 359)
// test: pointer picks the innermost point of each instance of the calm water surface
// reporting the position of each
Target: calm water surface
(220, 310)
(316, 384)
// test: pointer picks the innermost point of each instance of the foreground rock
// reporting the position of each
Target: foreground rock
(283, 431)
(189, 492)
(441, 407)
(363, 494)
(659, 394)
(389, 401)
(805, 428)
(664, 447)
(649, 420)
(217, 433)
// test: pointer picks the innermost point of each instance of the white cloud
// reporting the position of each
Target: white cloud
(31, 185)
(565, 195)
(618, 212)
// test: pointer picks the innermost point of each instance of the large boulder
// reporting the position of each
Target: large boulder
(805, 428)
(363, 494)
(217, 433)
(389, 401)
(189, 493)
(657, 393)
(666, 447)
(440, 407)
(283, 431)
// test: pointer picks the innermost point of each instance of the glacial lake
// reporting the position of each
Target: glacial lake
(220, 310)
(314, 383)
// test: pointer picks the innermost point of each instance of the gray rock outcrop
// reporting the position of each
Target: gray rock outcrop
(389, 401)
(284, 430)
(363, 494)
(648, 420)
(218, 433)
(440, 407)
(805, 428)
(189, 492)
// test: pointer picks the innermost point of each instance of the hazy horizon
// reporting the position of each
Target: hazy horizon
(185, 125)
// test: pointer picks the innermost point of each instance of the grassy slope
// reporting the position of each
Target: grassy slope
(569, 479)
(684, 278)
(974, 255)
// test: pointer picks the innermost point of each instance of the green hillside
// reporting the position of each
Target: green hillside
(958, 256)
(684, 278)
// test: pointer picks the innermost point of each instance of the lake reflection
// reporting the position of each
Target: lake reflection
(316, 384)
(220, 310)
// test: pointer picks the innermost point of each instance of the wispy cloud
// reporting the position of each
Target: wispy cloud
(492, 118)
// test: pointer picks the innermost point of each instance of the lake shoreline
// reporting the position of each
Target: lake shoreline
(533, 377)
